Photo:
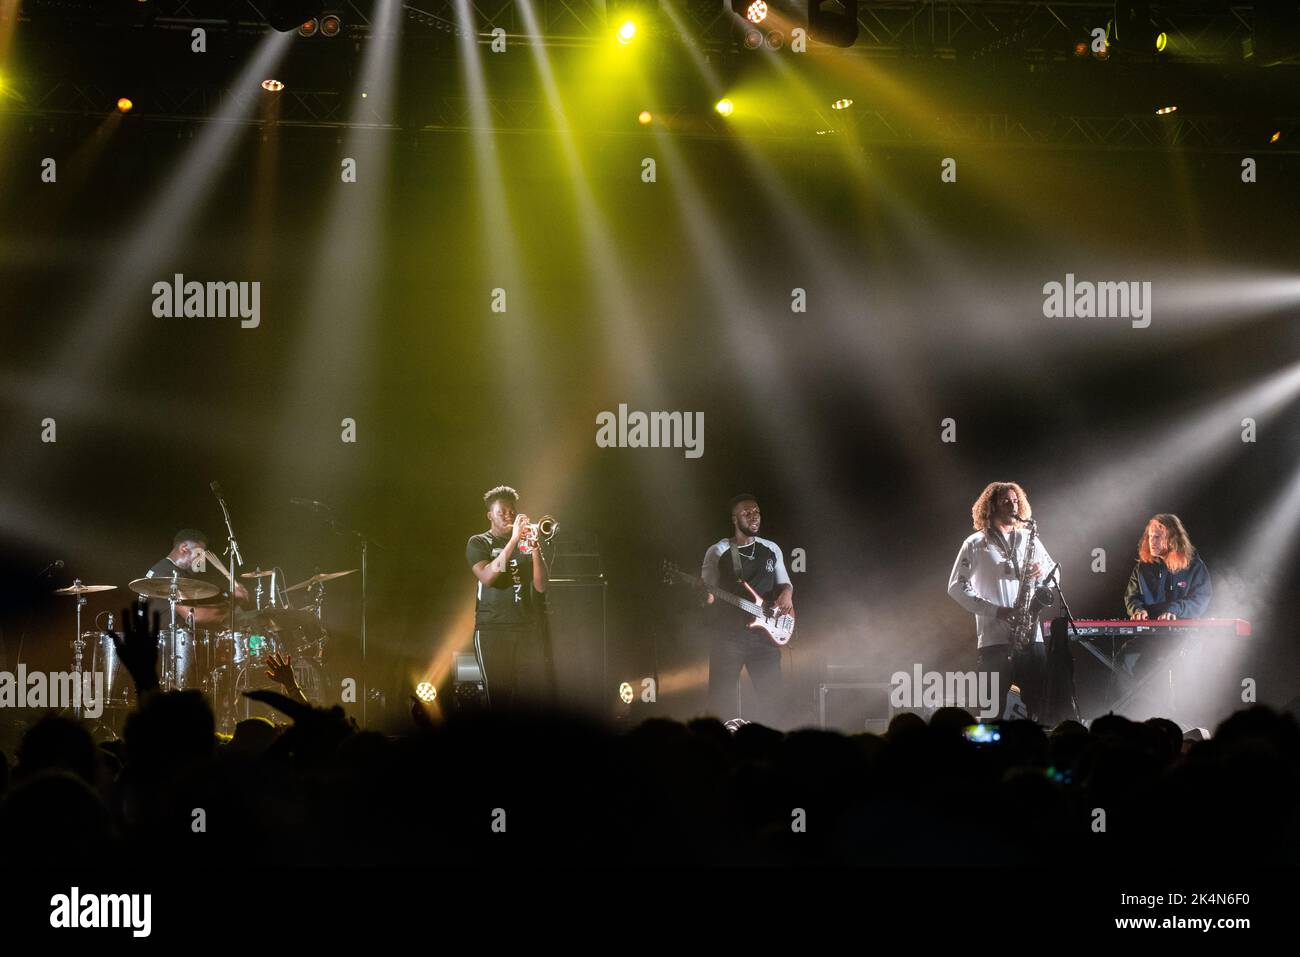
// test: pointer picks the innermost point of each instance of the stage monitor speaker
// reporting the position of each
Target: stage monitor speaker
(576, 622)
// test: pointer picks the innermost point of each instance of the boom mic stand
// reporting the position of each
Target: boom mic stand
(236, 562)
(1052, 579)
(365, 542)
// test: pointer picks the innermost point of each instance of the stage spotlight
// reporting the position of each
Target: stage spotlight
(625, 693)
(426, 692)
(1277, 135)
(272, 86)
(1166, 110)
(124, 105)
(644, 118)
(627, 32)
(1081, 49)
(755, 11)
(842, 104)
(753, 39)
(724, 106)
(309, 28)
(286, 15)
(330, 25)
(776, 39)
(1162, 41)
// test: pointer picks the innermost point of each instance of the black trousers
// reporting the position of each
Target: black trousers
(730, 651)
(515, 666)
(1026, 670)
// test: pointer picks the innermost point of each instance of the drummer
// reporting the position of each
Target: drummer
(187, 544)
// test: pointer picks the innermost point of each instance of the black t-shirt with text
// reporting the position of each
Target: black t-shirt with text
(508, 601)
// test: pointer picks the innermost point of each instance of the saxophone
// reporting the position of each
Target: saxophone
(1024, 615)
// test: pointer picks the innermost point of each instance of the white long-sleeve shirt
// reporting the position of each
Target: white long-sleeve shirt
(983, 580)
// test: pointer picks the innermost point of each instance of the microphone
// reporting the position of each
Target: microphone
(57, 563)
(216, 489)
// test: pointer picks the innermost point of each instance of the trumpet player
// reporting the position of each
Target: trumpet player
(511, 580)
(986, 578)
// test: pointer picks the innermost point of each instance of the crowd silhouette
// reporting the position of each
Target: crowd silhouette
(535, 788)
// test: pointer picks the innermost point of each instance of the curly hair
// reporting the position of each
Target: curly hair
(1180, 551)
(981, 513)
(502, 493)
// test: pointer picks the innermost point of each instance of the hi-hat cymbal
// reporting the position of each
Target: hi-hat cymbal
(80, 589)
(257, 574)
(187, 589)
(320, 578)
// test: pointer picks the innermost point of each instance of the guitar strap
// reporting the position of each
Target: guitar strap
(735, 562)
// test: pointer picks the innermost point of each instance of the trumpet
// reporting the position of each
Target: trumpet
(537, 534)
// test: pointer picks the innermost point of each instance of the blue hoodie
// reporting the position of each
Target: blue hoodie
(1154, 588)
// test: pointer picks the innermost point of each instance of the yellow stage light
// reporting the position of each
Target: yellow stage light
(725, 107)
(626, 32)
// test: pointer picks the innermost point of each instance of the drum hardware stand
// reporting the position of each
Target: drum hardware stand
(100, 724)
(236, 562)
(78, 645)
(169, 676)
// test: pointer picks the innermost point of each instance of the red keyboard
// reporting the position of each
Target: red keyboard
(1126, 628)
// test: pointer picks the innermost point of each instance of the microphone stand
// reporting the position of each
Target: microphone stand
(236, 562)
(365, 542)
(1069, 620)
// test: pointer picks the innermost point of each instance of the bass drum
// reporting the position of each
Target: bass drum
(234, 681)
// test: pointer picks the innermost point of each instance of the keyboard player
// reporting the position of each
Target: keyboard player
(1168, 583)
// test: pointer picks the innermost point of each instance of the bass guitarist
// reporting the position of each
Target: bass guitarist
(741, 559)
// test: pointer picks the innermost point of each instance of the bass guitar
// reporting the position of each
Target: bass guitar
(765, 618)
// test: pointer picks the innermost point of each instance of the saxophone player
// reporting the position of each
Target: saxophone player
(986, 579)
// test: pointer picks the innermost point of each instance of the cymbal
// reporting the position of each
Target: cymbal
(187, 589)
(83, 589)
(320, 578)
(257, 574)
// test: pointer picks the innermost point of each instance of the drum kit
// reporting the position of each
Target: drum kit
(220, 663)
